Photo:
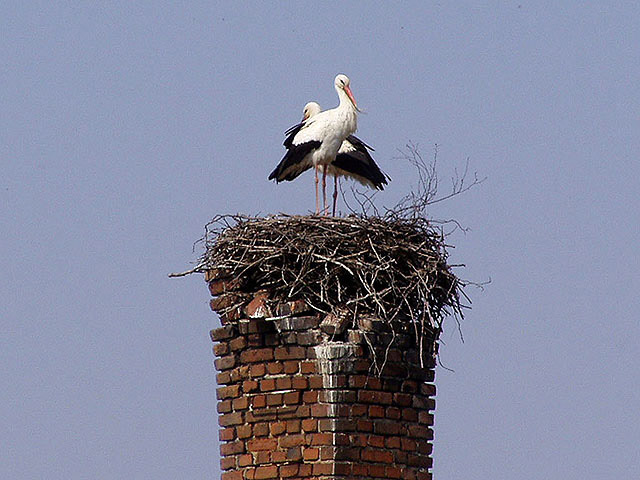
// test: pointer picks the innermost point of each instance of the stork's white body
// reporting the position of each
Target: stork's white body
(316, 141)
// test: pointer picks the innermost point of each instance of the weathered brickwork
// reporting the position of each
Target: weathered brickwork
(303, 396)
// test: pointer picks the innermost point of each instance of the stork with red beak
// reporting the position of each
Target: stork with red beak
(352, 161)
(316, 141)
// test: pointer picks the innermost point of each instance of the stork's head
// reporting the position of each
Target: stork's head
(342, 83)
(309, 110)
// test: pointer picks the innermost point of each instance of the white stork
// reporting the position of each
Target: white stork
(353, 160)
(316, 141)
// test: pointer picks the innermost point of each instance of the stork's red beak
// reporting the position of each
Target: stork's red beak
(350, 95)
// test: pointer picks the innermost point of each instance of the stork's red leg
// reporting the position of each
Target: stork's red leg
(335, 194)
(317, 199)
(324, 190)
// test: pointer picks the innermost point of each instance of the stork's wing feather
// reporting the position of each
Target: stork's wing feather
(353, 160)
(295, 161)
(358, 144)
(292, 132)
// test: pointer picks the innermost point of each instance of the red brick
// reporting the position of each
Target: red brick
(220, 349)
(409, 415)
(315, 381)
(227, 434)
(423, 461)
(278, 456)
(424, 476)
(393, 472)
(359, 470)
(309, 425)
(231, 391)
(223, 302)
(375, 396)
(227, 463)
(408, 444)
(291, 366)
(287, 441)
(377, 455)
(257, 370)
(342, 468)
(402, 399)
(274, 368)
(310, 397)
(274, 399)
(223, 285)
(310, 453)
(243, 431)
(423, 403)
(259, 444)
(259, 401)
(225, 363)
(321, 438)
(283, 383)
(261, 429)
(224, 406)
(364, 425)
(419, 431)
(223, 333)
(377, 471)
(232, 476)
(307, 367)
(292, 398)
(267, 384)
(263, 472)
(238, 343)
(256, 355)
(393, 413)
(295, 307)
(223, 378)
(230, 419)
(425, 448)
(388, 428)
(299, 383)
(319, 410)
(293, 426)
(231, 448)
(376, 441)
(428, 389)
(287, 471)
(305, 471)
(376, 411)
(277, 428)
(358, 410)
(258, 308)
(241, 403)
(245, 459)
(262, 457)
(230, 316)
(425, 418)
(290, 353)
(322, 468)
(255, 340)
(294, 454)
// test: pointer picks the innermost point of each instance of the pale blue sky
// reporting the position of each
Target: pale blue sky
(124, 128)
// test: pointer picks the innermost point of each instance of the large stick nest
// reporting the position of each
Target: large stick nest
(394, 269)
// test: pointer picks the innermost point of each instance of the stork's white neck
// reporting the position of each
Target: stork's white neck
(345, 101)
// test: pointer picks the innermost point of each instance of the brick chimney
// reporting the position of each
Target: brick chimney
(327, 345)
(304, 395)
